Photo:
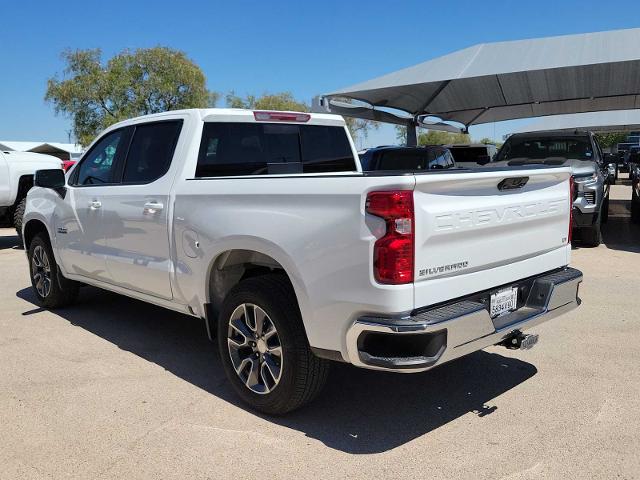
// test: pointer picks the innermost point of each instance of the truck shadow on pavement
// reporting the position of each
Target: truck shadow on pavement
(619, 233)
(359, 411)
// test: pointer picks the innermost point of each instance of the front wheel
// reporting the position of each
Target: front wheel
(604, 211)
(264, 348)
(51, 289)
(592, 236)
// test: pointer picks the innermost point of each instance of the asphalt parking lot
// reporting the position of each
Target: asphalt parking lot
(115, 388)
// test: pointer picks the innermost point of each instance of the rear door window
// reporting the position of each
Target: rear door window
(151, 151)
(238, 149)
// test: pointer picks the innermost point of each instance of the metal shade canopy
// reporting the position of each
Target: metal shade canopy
(612, 121)
(518, 79)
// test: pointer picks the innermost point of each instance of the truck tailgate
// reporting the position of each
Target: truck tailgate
(472, 234)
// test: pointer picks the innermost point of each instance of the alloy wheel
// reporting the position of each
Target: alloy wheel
(41, 271)
(255, 348)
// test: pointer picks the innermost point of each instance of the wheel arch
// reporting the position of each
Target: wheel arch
(34, 224)
(230, 266)
(25, 182)
(31, 228)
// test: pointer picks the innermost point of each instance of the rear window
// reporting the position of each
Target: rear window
(576, 148)
(409, 160)
(233, 149)
(467, 154)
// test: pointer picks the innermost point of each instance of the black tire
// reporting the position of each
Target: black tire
(604, 211)
(61, 291)
(18, 214)
(635, 208)
(302, 375)
(592, 236)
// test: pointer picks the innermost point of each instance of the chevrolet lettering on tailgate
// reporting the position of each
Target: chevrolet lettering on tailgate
(496, 216)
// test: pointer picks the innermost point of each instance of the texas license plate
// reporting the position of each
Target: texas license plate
(504, 301)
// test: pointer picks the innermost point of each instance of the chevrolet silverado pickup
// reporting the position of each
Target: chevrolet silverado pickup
(264, 225)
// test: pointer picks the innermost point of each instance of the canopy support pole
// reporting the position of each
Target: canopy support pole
(412, 134)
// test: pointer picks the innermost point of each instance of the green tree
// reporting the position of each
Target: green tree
(360, 128)
(432, 137)
(611, 139)
(268, 101)
(286, 101)
(437, 137)
(95, 95)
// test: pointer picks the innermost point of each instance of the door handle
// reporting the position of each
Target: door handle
(152, 207)
(95, 204)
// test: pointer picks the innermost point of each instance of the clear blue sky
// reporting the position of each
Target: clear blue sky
(303, 46)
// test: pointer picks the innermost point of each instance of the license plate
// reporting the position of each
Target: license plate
(503, 301)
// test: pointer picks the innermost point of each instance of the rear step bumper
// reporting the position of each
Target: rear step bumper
(426, 338)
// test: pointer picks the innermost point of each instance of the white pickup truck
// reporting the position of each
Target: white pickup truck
(16, 178)
(264, 225)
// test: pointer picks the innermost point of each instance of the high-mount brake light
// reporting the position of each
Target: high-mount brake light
(393, 253)
(281, 116)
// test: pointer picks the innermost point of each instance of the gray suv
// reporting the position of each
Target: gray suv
(580, 151)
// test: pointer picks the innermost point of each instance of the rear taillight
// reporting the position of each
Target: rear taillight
(571, 199)
(281, 116)
(393, 254)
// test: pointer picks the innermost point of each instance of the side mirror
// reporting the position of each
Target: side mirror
(53, 179)
(483, 159)
(611, 170)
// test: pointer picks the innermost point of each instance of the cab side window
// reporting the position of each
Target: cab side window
(98, 166)
(443, 159)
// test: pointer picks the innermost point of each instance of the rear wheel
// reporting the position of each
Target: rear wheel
(264, 348)
(18, 213)
(51, 289)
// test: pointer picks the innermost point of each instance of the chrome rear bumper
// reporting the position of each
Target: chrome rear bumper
(430, 337)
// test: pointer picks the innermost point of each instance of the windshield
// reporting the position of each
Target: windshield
(575, 148)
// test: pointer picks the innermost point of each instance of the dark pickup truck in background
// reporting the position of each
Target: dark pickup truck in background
(580, 151)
